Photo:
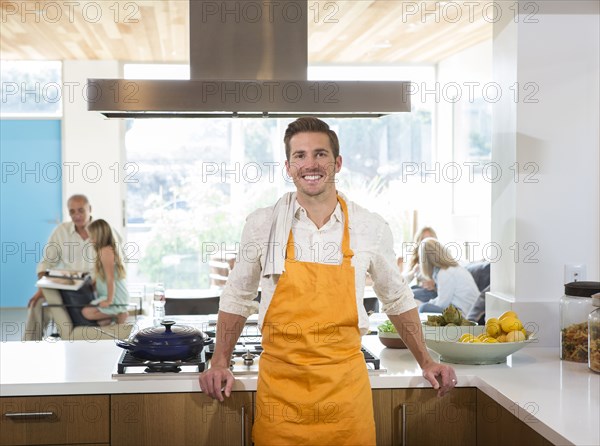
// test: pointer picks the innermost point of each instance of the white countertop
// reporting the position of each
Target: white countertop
(563, 397)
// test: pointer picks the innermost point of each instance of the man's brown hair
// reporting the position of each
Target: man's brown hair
(310, 124)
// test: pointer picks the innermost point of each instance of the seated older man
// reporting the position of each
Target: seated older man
(68, 248)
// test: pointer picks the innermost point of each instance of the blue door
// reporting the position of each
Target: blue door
(30, 202)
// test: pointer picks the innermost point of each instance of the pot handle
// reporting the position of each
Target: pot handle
(124, 344)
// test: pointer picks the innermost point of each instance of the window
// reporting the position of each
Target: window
(473, 132)
(31, 88)
(473, 192)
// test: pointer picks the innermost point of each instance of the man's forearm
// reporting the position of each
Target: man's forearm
(229, 328)
(408, 326)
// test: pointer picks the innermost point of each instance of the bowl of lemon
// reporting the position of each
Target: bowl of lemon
(489, 344)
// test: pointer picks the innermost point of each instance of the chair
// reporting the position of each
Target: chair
(200, 305)
(480, 271)
(66, 329)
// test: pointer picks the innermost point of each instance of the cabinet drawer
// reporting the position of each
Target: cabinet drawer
(54, 420)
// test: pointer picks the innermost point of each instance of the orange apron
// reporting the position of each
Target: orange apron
(313, 386)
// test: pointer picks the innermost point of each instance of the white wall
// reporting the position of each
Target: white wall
(559, 134)
(92, 145)
(504, 147)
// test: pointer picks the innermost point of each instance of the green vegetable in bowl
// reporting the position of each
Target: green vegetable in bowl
(387, 327)
(436, 321)
(451, 316)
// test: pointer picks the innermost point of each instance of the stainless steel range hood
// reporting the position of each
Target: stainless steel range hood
(247, 59)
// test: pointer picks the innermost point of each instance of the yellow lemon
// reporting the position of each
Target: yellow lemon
(490, 340)
(510, 323)
(493, 328)
(524, 332)
(508, 314)
(465, 337)
(501, 338)
(515, 336)
(475, 341)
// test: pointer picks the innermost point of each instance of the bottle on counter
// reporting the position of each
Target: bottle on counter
(594, 335)
(575, 307)
(158, 305)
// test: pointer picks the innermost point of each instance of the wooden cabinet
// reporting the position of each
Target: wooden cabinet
(406, 417)
(498, 426)
(419, 417)
(181, 419)
(466, 416)
(54, 420)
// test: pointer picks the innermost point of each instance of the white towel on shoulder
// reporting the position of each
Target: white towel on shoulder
(283, 216)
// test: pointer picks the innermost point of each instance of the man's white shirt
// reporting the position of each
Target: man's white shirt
(370, 239)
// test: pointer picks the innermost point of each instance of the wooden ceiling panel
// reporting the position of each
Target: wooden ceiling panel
(340, 32)
(393, 32)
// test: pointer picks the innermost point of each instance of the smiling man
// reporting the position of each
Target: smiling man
(313, 386)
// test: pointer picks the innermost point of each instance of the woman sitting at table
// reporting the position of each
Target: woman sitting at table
(424, 289)
(455, 285)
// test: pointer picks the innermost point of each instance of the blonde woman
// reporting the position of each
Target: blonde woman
(424, 290)
(455, 285)
(110, 277)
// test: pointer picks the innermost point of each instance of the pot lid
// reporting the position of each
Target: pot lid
(169, 334)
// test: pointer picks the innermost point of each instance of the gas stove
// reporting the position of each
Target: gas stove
(244, 362)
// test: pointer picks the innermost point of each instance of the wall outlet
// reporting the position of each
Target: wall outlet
(575, 273)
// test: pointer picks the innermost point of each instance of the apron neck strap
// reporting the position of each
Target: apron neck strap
(346, 251)
(348, 254)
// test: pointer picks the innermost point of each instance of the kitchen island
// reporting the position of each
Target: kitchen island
(559, 400)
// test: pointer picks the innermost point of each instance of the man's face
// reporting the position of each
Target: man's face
(311, 164)
(79, 211)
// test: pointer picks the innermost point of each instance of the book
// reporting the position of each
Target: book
(63, 280)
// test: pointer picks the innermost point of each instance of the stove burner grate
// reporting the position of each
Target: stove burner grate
(370, 358)
(255, 348)
(128, 361)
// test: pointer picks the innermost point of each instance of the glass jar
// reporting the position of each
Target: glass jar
(575, 307)
(594, 335)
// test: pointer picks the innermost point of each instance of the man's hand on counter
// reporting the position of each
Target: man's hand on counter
(408, 325)
(441, 377)
(216, 381)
